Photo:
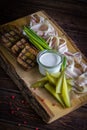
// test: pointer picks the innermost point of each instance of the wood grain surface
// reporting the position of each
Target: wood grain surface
(15, 112)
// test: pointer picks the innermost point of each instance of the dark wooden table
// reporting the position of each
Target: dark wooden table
(15, 112)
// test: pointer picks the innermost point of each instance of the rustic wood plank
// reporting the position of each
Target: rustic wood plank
(24, 79)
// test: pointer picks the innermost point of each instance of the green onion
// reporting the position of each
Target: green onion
(64, 63)
(36, 40)
(36, 44)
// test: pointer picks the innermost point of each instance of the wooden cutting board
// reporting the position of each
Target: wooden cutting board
(42, 102)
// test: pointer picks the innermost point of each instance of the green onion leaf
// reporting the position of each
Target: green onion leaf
(36, 40)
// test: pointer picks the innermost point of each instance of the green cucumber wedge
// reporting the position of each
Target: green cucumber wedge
(51, 90)
(65, 93)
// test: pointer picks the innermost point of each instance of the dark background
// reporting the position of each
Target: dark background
(69, 14)
(15, 112)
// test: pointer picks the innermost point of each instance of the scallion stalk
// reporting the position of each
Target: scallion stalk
(39, 47)
(36, 40)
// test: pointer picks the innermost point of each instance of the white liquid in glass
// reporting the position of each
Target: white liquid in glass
(50, 59)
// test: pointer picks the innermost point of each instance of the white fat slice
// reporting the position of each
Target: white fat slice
(82, 79)
(44, 29)
(84, 66)
(53, 42)
(35, 19)
(63, 48)
(77, 57)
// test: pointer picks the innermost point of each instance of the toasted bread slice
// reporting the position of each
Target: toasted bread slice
(27, 57)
